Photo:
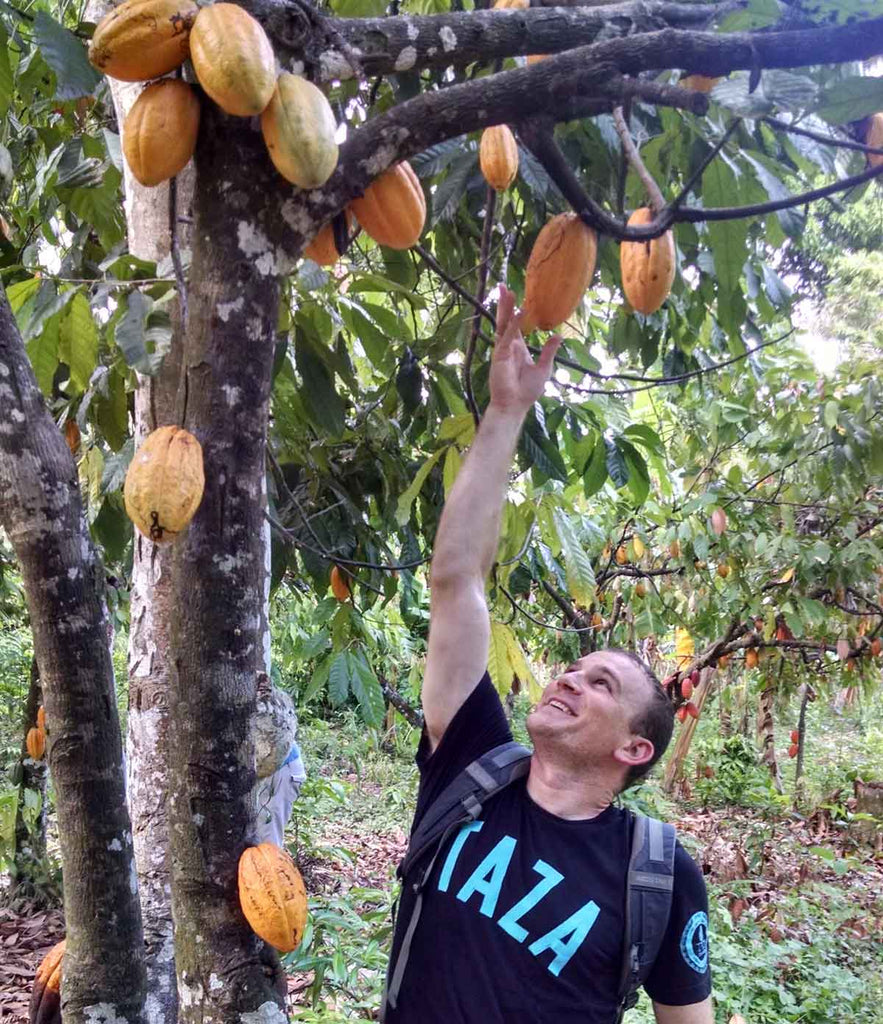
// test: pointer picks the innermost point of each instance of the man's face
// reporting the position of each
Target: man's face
(586, 711)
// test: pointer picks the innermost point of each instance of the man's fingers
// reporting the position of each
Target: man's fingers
(505, 306)
(547, 356)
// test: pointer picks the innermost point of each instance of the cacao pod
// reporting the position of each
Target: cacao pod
(41, 718)
(751, 658)
(723, 570)
(559, 270)
(393, 209)
(698, 83)
(143, 39)
(876, 646)
(692, 710)
(159, 133)
(233, 59)
(842, 649)
(640, 590)
(498, 156)
(45, 1007)
(638, 546)
(674, 549)
(272, 896)
(299, 127)
(323, 248)
(795, 736)
(597, 620)
(719, 521)
(792, 750)
(164, 483)
(681, 713)
(535, 58)
(695, 676)
(36, 744)
(72, 436)
(686, 688)
(520, 5)
(339, 585)
(723, 661)
(621, 556)
(874, 137)
(648, 268)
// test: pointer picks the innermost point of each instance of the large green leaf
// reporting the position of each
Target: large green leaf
(754, 14)
(321, 400)
(366, 687)
(79, 340)
(66, 55)
(403, 506)
(43, 354)
(339, 677)
(577, 565)
(727, 238)
(851, 99)
(499, 666)
(129, 333)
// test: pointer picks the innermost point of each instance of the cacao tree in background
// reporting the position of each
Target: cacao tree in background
(360, 386)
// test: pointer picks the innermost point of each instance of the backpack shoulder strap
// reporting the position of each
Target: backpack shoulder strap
(460, 801)
(649, 892)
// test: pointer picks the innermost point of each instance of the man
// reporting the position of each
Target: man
(523, 913)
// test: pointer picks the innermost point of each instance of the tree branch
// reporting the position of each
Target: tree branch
(654, 193)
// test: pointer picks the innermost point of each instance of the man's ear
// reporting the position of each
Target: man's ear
(637, 751)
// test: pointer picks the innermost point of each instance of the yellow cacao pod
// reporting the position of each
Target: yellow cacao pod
(322, 249)
(498, 156)
(41, 717)
(648, 268)
(36, 743)
(143, 39)
(272, 896)
(233, 59)
(559, 270)
(393, 209)
(164, 483)
(299, 127)
(698, 83)
(519, 5)
(874, 138)
(159, 133)
(45, 1005)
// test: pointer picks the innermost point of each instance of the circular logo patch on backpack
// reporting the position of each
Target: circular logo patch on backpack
(694, 942)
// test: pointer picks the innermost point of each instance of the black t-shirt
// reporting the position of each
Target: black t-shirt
(523, 914)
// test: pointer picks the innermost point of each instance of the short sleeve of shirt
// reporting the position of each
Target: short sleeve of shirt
(478, 726)
(681, 974)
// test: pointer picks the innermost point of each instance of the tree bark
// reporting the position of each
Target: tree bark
(29, 868)
(219, 633)
(42, 512)
(766, 736)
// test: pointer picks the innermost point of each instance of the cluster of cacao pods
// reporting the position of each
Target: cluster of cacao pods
(164, 483)
(233, 61)
(272, 896)
(795, 739)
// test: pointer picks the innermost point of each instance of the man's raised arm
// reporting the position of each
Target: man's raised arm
(466, 542)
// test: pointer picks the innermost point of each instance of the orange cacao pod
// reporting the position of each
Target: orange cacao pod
(792, 750)
(535, 58)
(621, 556)
(45, 1005)
(559, 270)
(143, 39)
(751, 658)
(393, 209)
(272, 896)
(698, 83)
(498, 156)
(299, 127)
(874, 137)
(41, 718)
(876, 646)
(339, 586)
(164, 483)
(692, 710)
(36, 744)
(233, 59)
(648, 268)
(723, 661)
(681, 713)
(72, 436)
(322, 249)
(159, 133)
(795, 736)
(520, 5)
(686, 688)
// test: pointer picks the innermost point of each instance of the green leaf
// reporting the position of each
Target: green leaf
(406, 500)
(79, 340)
(831, 413)
(339, 674)
(19, 293)
(727, 238)
(755, 14)
(66, 56)
(850, 100)
(616, 466)
(318, 681)
(43, 354)
(5, 75)
(596, 470)
(541, 452)
(129, 333)
(366, 688)
(578, 567)
(521, 666)
(112, 412)
(320, 399)
(498, 665)
(639, 475)
(449, 194)
(359, 8)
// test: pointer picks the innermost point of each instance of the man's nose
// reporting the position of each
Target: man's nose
(566, 683)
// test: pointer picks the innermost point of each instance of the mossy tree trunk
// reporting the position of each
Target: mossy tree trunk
(42, 512)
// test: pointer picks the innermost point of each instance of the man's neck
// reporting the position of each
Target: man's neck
(569, 792)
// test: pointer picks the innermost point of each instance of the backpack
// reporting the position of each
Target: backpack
(650, 872)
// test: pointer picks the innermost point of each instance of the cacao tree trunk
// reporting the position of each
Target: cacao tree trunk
(30, 880)
(805, 692)
(674, 767)
(42, 512)
(220, 631)
(766, 737)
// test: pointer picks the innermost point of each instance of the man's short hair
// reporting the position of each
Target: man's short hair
(655, 721)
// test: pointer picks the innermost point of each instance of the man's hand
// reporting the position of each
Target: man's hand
(516, 381)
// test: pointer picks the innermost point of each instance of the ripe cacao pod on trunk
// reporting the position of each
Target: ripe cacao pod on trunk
(648, 268)
(36, 743)
(41, 717)
(164, 483)
(143, 39)
(159, 133)
(272, 896)
(393, 209)
(45, 1005)
(299, 127)
(233, 59)
(559, 270)
(323, 248)
(498, 156)
(874, 137)
(698, 83)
